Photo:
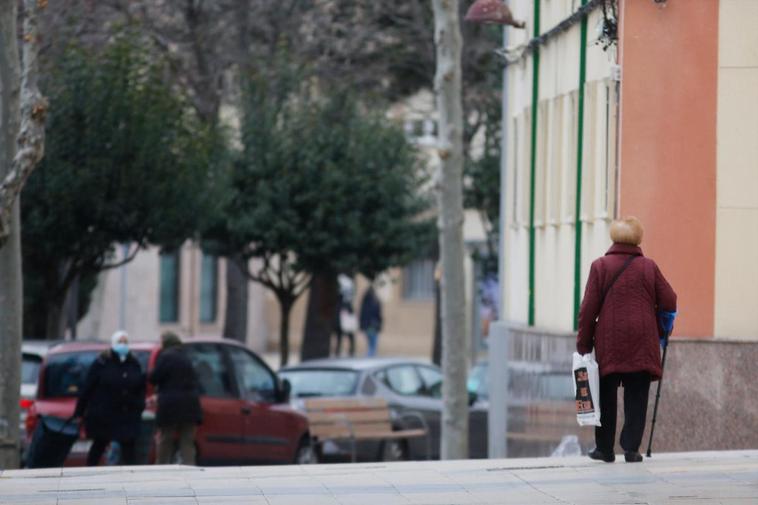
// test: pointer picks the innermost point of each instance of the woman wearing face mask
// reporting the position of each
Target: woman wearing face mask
(112, 400)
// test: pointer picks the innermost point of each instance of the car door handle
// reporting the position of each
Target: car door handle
(246, 410)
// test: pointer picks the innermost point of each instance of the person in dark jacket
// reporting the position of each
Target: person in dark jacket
(179, 410)
(112, 400)
(371, 319)
(619, 321)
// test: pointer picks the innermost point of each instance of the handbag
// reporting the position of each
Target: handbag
(348, 321)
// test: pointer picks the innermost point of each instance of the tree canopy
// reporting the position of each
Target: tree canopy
(322, 186)
(126, 162)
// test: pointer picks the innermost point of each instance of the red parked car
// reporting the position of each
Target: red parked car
(246, 415)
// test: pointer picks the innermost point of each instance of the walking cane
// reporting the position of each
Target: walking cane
(657, 397)
(667, 322)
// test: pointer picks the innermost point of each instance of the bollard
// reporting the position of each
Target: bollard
(497, 376)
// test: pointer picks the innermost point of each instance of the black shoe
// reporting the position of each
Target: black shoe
(601, 456)
(633, 457)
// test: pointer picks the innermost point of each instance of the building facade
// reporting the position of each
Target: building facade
(660, 125)
(182, 291)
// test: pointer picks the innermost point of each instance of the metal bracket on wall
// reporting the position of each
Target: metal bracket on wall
(616, 73)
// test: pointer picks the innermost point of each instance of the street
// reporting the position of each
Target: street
(704, 478)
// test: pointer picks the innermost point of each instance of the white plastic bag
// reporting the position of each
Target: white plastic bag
(348, 321)
(586, 390)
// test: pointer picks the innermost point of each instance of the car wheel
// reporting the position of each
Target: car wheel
(305, 455)
(394, 450)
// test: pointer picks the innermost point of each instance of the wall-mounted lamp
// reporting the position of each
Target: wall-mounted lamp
(492, 12)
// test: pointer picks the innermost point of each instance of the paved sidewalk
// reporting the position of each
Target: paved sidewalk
(724, 478)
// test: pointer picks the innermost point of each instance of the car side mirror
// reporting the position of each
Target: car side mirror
(285, 390)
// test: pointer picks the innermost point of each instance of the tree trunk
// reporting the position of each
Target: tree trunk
(29, 132)
(319, 319)
(437, 345)
(285, 308)
(454, 440)
(71, 310)
(11, 294)
(55, 325)
(235, 318)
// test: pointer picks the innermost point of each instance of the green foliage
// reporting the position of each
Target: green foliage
(320, 187)
(126, 162)
(321, 179)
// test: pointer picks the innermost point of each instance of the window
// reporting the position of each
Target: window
(208, 288)
(432, 381)
(254, 379)
(556, 159)
(404, 380)
(30, 365)
(568, 191)
(418, 280)
(514, 170)
(211, 370)
(541, 163)
(314, 382)
(65, 373)
(477, 381)
(169, 296)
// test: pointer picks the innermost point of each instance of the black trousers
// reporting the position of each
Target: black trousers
(128, 451)
(636, 389)
(351, 342)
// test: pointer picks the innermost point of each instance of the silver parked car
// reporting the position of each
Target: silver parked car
(412, 388)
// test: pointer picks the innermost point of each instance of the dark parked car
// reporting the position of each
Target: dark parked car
(411, 387)
(246, 415)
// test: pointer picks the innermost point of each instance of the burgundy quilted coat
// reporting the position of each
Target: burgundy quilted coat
(624, 332)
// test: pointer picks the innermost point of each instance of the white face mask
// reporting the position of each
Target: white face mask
(121, 349)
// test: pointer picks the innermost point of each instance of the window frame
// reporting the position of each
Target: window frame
(386, 381)
(414, 291)
(177, 286)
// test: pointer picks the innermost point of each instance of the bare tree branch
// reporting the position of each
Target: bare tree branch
(129, 257)
(31, 137)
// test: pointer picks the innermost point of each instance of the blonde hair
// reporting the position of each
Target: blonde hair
(627, 231)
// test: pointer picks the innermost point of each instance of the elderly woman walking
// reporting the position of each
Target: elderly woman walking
(624, 292)
(112, 401)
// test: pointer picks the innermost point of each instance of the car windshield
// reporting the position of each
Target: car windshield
(65, 372)
(477, 381)
(307, 382)
(30, 369)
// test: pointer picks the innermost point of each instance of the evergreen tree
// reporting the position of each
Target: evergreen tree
(126, 162)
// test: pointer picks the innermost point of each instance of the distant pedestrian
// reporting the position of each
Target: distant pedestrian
(179, 410)
(371, 319)
(624, 292)
(345, 324)
(112, 401)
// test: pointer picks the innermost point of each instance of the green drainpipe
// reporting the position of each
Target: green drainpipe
(579, 163)
(533, 163)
